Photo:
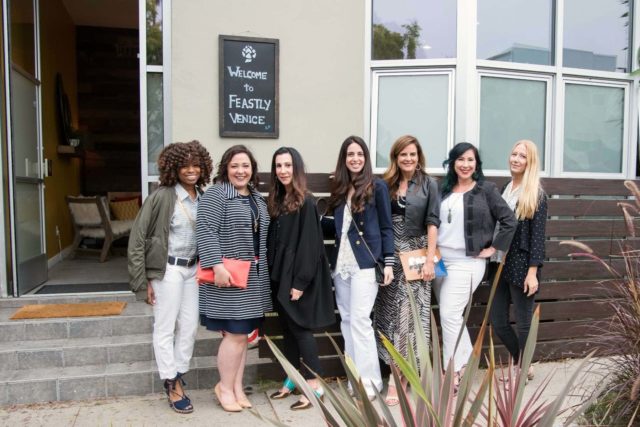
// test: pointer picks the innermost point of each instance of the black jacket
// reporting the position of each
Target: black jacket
(484, 207)
(527, 248)
(422, 206)
(296, 258)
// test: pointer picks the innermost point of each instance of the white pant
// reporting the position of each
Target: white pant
(452, 291)
(355, 297)
(176, 317)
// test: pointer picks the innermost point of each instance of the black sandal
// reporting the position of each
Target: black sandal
(182, 406)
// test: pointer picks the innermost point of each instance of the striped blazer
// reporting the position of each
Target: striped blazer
(224, 229)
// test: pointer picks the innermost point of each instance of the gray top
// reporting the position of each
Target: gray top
(182, 231)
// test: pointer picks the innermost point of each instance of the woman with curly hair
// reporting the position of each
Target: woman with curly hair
(163, 255)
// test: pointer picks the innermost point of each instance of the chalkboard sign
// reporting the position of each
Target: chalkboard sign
(248, 87)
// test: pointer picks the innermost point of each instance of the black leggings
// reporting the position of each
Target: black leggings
(523, 307)
(299, 342)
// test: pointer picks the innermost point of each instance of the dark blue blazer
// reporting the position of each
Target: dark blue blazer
(375, 225)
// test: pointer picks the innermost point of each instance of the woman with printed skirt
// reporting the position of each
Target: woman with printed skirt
(300, 275)
(162, 256)
(518, 283)
(364, 237)
(470, 210)
(233, 223)
(415, 210)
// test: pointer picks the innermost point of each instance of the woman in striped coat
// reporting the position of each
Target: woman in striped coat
(233, 223)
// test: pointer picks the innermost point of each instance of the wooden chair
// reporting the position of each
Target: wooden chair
(91, 220)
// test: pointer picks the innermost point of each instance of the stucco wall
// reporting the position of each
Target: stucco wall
(321, 73)
(58, 54)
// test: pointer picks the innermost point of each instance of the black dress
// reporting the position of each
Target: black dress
(296, 257)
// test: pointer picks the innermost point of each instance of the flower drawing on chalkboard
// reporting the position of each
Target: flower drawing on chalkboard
(248, 53)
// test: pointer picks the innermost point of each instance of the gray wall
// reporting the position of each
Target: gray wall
(321, 72)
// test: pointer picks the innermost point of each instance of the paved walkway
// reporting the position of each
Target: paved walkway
(153, 410)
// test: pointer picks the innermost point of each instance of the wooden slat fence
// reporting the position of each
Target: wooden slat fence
(574, 298)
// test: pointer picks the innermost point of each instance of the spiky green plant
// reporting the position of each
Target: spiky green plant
(433, 400)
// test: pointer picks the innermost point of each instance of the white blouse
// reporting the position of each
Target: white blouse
(346, 265)
(451, 230)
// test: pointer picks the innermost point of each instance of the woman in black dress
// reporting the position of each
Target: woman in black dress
(299, 270)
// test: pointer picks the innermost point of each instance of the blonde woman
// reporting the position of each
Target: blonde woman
(521, 274)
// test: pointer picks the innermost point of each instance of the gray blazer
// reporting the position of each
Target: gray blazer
(483, 208)
(423, 205)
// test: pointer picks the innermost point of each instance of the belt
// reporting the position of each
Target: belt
(182, 262)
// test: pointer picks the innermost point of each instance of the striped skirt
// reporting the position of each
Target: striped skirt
(393, 316)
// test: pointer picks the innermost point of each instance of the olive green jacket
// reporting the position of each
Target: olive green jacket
(149, 240)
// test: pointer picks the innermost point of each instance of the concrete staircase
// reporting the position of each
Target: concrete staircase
(91, 357)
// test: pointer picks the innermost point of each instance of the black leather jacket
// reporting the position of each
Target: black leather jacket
(422, 206)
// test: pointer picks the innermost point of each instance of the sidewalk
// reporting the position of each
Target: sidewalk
(153, 410)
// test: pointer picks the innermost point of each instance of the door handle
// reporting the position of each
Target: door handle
(47, 167)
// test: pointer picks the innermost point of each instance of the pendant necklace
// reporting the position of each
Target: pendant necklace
(255, 217)
(450, 205)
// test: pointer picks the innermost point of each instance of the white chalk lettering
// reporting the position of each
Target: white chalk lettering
(247, 74)
(238, 118)
(238, 102)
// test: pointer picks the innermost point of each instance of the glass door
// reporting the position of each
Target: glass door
(27, 185)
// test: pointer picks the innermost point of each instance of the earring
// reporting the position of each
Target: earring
(418, 167)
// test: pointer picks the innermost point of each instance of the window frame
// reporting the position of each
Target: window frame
(548, 79)
(164, 69)
(465, 120)
(625, 128)
(375, 78)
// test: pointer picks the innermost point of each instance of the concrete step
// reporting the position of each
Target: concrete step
(66, 299)
(108, 380)
(137, 318)
(64, 353)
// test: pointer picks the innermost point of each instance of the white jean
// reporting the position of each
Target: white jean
(176, 318)
(463, 275)
(355, 297)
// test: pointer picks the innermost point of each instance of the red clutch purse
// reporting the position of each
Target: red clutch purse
(239, 270)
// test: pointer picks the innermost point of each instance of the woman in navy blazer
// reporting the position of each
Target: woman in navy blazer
(362, 212)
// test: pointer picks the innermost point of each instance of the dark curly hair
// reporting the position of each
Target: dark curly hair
(223, 167)
(181, 154)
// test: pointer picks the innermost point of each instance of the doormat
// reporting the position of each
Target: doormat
(46, 311)
(75, 288)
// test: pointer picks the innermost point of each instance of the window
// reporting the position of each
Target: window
(417, 104)
(596, 35)
(155, 82)
(413, 29)
(511, 109)
(515, 31)
(593, 128)
(155, 121)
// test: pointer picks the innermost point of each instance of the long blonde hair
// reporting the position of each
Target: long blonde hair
(531, 188)
(392, 175)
